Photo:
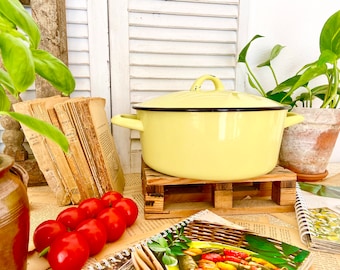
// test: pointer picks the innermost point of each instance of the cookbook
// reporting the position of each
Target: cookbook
(318, 215)
(204, 240)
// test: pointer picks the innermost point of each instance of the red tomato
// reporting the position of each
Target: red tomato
(95, 234)
(46, 232)
(110, 197)
(114, 222)
(71, 217)
(129, 208)
(92, 206)
(70, 251)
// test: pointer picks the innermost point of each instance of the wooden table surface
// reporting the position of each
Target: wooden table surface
(43, 206)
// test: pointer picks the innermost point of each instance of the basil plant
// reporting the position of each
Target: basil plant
(21, 60)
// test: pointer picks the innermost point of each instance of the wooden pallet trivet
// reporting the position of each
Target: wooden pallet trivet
(168, 196)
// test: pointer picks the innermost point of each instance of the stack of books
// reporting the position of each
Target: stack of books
(91, 166)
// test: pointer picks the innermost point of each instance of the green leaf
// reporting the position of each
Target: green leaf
(181, 245)
(274, 53)
(5, 103)
(309, 74)
(273, 260)
(184, 238)
(280, 97)
(330, 34)
(156, 247)
(260, 243)
(251, 82)
(321, 190)
(7, 82)
(243, 54)
(162, 241)
(304, 97)
(176, 250)
(327, 56)
(16, 13)
(6, 25)
(47, 130)
(54, 70)
(18, 61)
(320, 89)
(287, 84)
(301, 256)
(289, 249)
(170, 237)
(169, 260)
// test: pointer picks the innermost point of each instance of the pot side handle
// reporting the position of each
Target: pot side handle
(128, 121)
(292, 119)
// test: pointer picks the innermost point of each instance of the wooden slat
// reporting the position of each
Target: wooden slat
(181, 196)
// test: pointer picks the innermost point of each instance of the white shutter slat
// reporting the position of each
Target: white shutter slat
(157, 87)
(169, 47)
(186, 8)
(78, 44)
(76, 16)
(162, 86)
(77, 30)
(146, 94)
(173, 60)
(83, 84)
(179, 72)
(76, 57)
(82, 71)
(76, 4)
(176, 21)
(171, 34)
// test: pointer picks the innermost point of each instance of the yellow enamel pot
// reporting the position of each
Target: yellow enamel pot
(210, 135)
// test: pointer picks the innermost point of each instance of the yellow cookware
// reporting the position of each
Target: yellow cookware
(210, 135)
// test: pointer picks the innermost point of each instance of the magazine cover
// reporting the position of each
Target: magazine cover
(198, 243)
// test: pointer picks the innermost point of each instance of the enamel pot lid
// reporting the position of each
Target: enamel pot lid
(217, 100)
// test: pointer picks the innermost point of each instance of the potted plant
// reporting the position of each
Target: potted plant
(316, 99)
(20, 61)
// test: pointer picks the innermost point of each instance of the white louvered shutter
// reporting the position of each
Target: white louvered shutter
(166, 45)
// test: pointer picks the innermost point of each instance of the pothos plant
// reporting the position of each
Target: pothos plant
(326, 67)
(21, 60)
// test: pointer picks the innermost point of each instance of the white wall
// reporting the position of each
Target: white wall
(293, 24)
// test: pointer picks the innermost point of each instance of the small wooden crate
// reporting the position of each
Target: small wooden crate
(171, 197)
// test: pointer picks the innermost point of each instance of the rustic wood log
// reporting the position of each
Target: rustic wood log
(51, 18)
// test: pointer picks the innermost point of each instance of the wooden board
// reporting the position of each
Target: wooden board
(173, 197)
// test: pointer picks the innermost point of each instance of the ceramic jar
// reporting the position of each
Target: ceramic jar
(14, 215)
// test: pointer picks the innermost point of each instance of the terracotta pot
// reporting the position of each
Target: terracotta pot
(307, 147)
(14, 215)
